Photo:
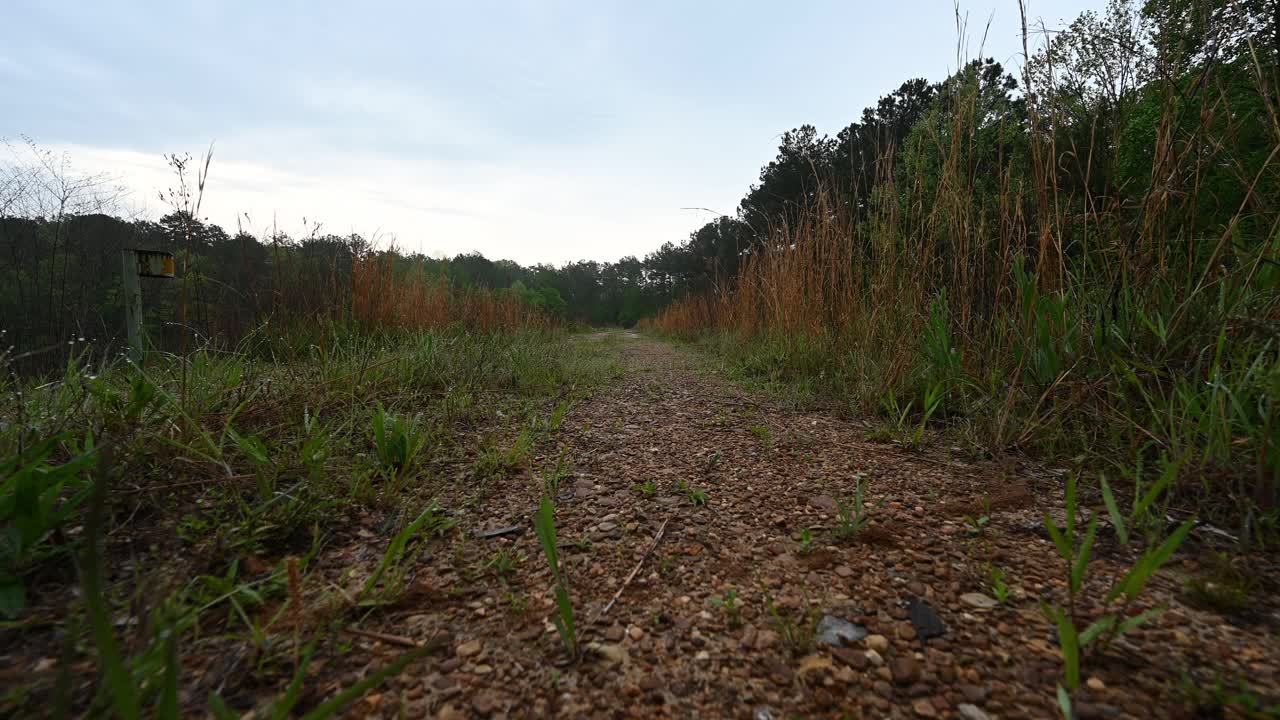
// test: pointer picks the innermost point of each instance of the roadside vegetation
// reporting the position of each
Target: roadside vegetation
(1081, 263)
(203, 506)
(1078, 264)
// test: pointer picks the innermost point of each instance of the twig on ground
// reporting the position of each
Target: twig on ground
(388, 639)
(656, 539)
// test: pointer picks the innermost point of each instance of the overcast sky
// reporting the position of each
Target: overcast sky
(539, 131)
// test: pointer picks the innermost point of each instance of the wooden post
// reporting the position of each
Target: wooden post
(132, 303)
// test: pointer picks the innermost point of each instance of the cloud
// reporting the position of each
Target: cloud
(502, 212)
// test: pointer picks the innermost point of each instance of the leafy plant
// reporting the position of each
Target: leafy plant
(396, 441)
(552, 478)
(544, 521)
(503, 563)
(697, 498)
(1076, 552)
(648, 488)
(762, 433)
(977, 525)
(729, 604)
(798, 629)
(1221, 586)
(430, 521)
(853, 518)
(558, 415)
(36, 498)
(494, 462)
(713, 460)
(806, 541)
(939, 348)
(999, 589)
(1142, 512)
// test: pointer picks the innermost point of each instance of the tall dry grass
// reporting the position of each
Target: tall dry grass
(1044, 315)
(385, 299)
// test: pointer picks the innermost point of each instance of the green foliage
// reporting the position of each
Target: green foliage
(903, 429)
(431, 521)
(552, 478)
(495, 462)
(941, 355)
(37, 497)
(1213, 698)
(397, 441)
(1222, 585)
(806, 541)
(798, 628)
(1076, 551)
(762, 433)
(1048, 337)
(266, 449)
(544, 522)
(728, 602)
(977, 525)
(853, 518)
(648, 488)
(504, 563)
(999, 589)
(696, 497)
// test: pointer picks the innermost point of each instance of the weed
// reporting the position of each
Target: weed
(1212, 699)
(558, 415)
(431, 521)
(545, 523)
(902, 430)
(1077, 552)
(797, 629)
(806, 541)
(396, 441)
(504, 563)
(494, 462)
(729, 604)
(36, 498)
(853, 518)
(762, 433)
(648, 488)
(976, 526)
(552, 478)
(697, 498)
(999, 589)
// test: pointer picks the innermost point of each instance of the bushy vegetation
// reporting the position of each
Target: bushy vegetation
(1084, 264)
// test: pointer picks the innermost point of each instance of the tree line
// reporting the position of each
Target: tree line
(1103, 88)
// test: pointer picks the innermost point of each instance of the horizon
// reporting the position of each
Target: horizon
(601, 133)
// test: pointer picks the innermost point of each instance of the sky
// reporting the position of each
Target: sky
(534, 130)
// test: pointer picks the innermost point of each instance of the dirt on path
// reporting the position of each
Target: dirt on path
(722, 619)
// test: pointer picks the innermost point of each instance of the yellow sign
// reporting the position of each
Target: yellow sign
(153, 263)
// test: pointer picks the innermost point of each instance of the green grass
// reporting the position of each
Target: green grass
(260, 453)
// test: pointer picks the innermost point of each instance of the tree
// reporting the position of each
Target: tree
(791, 182)
(862, 147)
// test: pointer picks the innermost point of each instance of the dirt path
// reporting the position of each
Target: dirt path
(670, 647)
